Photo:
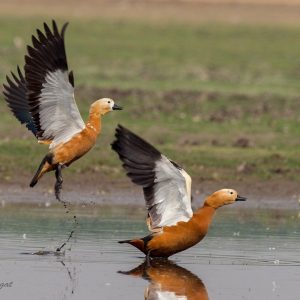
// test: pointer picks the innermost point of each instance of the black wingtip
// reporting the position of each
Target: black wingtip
(71, 78)
(16, 79)
(54, 26)
(15, 96)
(138, 156)
(20, 74)
(41, 36)
(62, 33)
(47, 54)
(127, 139)
(8, 79)
(48, 32)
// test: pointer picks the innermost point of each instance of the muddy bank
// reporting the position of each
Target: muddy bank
(195, 11)
(276, 194)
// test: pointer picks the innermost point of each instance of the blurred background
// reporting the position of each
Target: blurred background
(215, 85)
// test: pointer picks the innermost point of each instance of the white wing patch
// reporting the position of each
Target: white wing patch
(171, 195)
(58, 112)
(188, 183)
(164, 295)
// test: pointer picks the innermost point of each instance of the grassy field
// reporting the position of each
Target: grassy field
(223, 100)
(226, 58)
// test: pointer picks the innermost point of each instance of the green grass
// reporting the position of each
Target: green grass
(163, 57)
(193, 91)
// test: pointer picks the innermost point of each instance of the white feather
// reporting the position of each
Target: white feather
(172, 195)
(164, 295)
(58, 112)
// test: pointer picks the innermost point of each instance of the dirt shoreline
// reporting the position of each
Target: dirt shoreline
(275, 194)
(196, 11)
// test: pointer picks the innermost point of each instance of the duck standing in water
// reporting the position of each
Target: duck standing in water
(44, 101)
(167, 191)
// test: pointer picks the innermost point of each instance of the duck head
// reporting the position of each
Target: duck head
(103, 106)
(223, 197)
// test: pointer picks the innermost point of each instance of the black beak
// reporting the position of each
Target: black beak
(240, 198)
(117, 107)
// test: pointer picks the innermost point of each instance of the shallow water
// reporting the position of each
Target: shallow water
(248, 254)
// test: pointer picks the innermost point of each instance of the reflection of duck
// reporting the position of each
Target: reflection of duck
(167, 191)
(169, 281)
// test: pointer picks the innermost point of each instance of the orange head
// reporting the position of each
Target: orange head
(223, 197)
(103, 106)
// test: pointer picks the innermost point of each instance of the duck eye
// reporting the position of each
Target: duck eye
(108, 101)
(231, 193)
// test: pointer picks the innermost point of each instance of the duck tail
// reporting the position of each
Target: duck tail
(138, 243)
(43, 168)
(124, 242)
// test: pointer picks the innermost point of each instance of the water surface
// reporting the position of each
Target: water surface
(248, 254)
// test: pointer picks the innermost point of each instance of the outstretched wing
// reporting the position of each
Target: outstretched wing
(15, 95)
(167, 187)
(50, 87)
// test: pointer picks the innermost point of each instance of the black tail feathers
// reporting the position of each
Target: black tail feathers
(124, 242)
(35, 178)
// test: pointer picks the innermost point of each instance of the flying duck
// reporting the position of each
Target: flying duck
(43, 100)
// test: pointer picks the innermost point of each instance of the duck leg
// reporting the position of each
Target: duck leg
(59, 182)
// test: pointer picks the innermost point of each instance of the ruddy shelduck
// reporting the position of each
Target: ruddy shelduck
(169, 281)
(167, 191)
(44, 101)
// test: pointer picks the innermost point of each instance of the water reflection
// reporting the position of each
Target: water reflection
(169, 281)
(71, 271)
(248, 254)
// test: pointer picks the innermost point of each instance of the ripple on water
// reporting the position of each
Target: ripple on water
(237, 241)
